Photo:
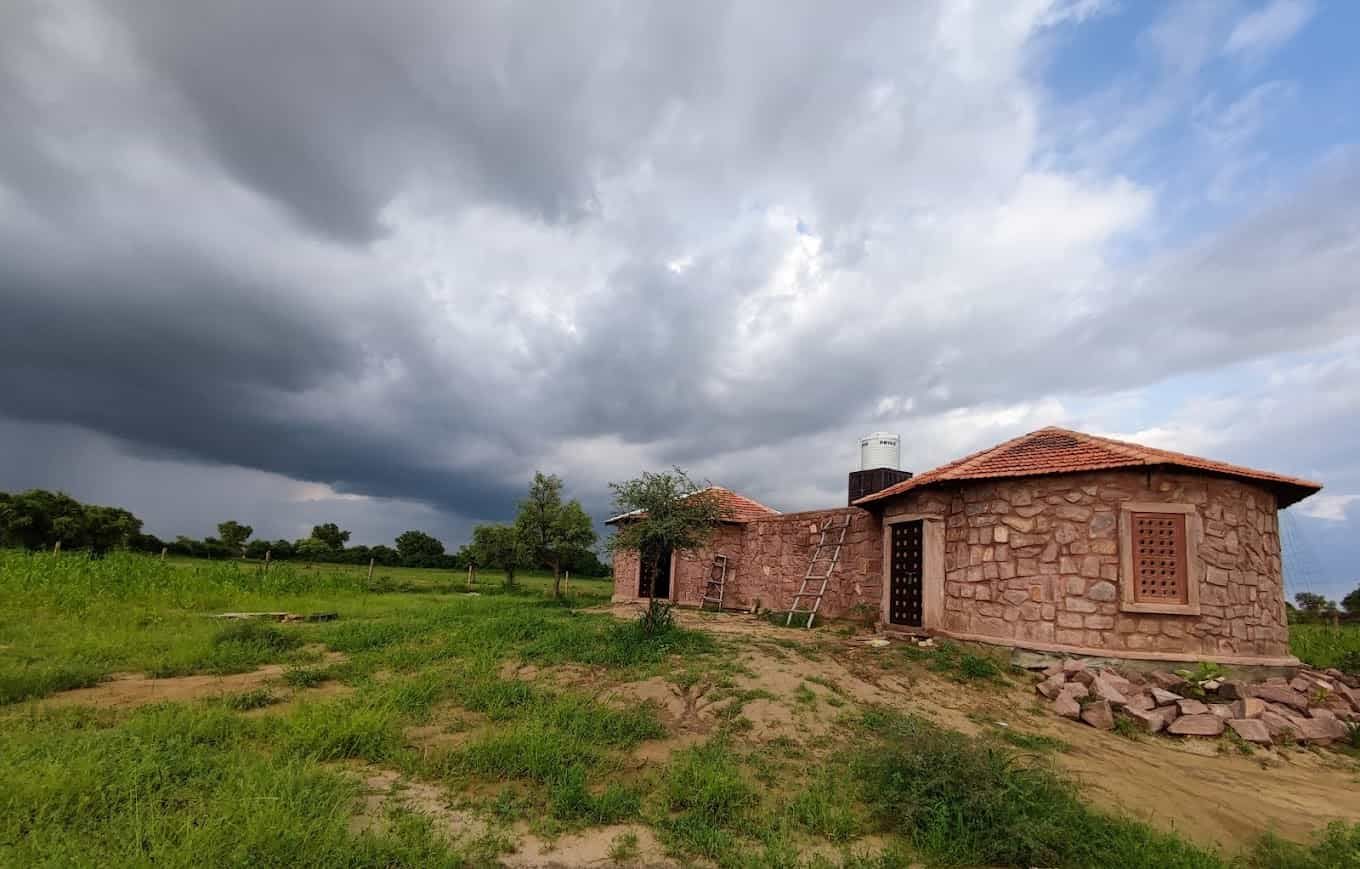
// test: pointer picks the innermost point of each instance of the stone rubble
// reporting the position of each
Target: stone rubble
(1312, 707)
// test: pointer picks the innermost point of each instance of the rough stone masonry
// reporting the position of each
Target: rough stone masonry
(1036, 562)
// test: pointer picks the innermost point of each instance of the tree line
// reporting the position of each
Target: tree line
(1312, 607)
(547, 533)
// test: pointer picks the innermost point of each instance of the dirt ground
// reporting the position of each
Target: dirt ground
(130, 690)
(1187, 785)
(794, 685)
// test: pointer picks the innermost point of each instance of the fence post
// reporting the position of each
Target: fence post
(163, 549)
(370, 569)
(268, 555)
(56, 548)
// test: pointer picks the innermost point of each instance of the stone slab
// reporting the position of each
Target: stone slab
(1196, 725)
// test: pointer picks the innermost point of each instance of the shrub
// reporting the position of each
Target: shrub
(657, 619)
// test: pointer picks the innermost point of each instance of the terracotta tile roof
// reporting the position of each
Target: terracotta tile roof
(1060, 451)
(735, 508)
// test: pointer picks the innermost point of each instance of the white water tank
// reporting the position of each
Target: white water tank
(879, 450)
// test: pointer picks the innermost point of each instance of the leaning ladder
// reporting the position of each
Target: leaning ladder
(826, 554)
(717, 578)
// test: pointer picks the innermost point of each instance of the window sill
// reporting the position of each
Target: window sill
(1163, 609)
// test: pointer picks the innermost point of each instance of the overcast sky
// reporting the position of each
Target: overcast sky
(375, 263)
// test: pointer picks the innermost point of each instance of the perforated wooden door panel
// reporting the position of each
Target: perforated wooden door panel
(905, 577)
(1159, 558)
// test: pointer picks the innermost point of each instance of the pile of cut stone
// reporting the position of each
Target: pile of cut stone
(1314, 707)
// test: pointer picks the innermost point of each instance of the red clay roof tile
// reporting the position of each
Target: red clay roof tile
(1055, 450)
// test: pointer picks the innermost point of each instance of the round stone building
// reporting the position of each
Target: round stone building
(1063, 541)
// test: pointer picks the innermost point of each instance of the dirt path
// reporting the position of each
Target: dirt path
(1216, 799)
(130, 690)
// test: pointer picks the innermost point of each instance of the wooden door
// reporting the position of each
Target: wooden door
(905, 574)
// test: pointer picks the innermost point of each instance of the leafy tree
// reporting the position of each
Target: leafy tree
(234, 535)
(37, 519)
(384, 555)
(1351, 602)
(418, 549)
(148, 543)
(257, 549)
(313, 548)
(330, 535)
(670, 513)
(499, 546)
(1314, 605)
(550, 530)
(587, 563)
(282, 549)
(108, 527)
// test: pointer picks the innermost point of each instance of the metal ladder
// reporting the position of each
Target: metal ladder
(717, 578)
(827, 554)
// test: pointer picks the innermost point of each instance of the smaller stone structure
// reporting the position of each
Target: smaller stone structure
(768, 556)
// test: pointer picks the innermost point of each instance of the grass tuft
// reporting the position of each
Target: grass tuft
(247, 700)
(958, 801)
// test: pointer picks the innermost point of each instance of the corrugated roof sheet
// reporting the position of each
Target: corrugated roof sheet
(735, 508)
(1055, 450)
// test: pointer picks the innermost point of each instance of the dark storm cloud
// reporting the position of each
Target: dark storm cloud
(333, 108)
(417, 250)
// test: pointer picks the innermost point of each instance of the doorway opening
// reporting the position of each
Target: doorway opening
(656, 574)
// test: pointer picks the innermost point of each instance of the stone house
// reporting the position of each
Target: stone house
(1055, 541)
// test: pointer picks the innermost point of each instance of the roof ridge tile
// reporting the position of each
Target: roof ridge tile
(1056, 450)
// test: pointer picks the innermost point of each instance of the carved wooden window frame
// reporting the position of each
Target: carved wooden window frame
(1194, 568)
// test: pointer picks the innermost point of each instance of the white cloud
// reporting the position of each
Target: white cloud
(1329, 507)
(1268, 28)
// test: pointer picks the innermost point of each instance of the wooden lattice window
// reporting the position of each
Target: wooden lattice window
(1159, 561)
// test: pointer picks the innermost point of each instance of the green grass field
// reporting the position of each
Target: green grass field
(415, 682)
(1326, 646)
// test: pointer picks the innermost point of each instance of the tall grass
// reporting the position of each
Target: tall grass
(75, 581)
(1326, 646)
(962, 802)
(182, 786)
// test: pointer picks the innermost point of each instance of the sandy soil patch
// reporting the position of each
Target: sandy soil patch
(130, 690)
(589, 848)
(1224, 799)
(385, 789)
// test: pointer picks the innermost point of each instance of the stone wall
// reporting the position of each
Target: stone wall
(778, 549)
(1035, 561)
(768, 559)
(625, 575)
(692, 568)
